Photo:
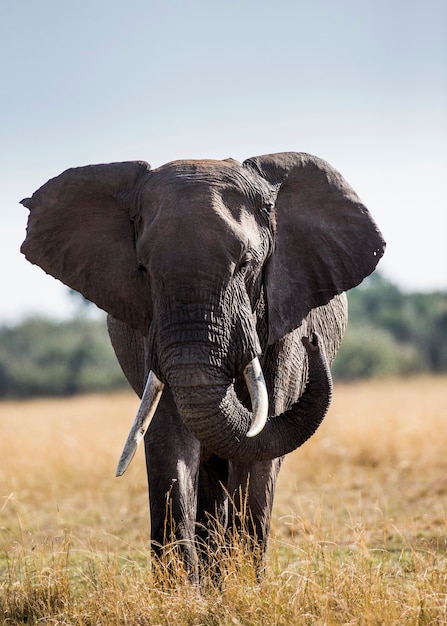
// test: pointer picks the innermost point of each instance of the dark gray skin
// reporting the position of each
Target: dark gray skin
(202, 266)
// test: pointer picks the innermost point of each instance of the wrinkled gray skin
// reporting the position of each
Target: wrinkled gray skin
(202, 266)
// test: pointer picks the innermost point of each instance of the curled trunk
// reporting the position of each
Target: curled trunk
(221, 423)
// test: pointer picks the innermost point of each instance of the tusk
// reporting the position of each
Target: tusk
(258, 394)
(149, 401)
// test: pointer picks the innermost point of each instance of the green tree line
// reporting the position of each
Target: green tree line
(390, 333)
(41, 357)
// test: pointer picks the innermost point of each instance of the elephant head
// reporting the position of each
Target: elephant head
(211, 261)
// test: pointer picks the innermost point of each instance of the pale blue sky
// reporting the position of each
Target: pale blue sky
(362, 84)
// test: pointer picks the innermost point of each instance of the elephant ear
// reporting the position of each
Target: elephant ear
(326, 240)
(80, 230)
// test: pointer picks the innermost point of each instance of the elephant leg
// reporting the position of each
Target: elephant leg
(212, 509)
(252, 488)
(172, 462)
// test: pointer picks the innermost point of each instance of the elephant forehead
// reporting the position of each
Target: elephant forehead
(229, 175)
(193, 228)
(224, 188)
(197, 168)
(204, 219)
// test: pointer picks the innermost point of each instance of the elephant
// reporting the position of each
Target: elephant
(224, 285)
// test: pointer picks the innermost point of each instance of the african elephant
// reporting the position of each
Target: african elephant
(224, 287)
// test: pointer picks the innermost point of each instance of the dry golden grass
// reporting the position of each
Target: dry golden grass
(359, 531)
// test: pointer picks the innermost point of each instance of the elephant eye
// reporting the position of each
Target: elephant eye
(245, 263)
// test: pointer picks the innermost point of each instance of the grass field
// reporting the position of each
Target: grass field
(359, 534)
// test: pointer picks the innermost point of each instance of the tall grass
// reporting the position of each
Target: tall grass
(358, 533)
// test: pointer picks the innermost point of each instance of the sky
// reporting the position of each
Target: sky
(360, 83)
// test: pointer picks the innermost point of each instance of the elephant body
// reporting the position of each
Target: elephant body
(205, 488)
(208, 270)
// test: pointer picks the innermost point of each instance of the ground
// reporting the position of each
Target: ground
(358, 533)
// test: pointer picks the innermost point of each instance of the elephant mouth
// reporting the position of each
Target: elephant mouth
(153, 391)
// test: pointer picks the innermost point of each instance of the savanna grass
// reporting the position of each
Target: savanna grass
(358, 533)
(314, 584)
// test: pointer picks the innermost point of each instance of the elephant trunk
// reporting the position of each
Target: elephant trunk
(209, 405)
(214, 414)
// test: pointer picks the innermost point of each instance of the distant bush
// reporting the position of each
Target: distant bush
(45, 358)
(392, 333)
(369, 352)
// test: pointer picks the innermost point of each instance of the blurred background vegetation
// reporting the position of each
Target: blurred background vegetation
(390, 333)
